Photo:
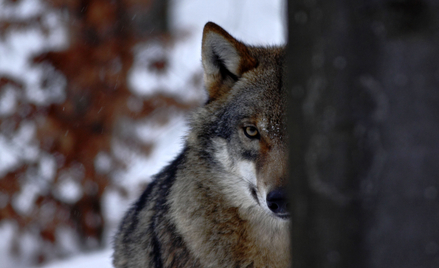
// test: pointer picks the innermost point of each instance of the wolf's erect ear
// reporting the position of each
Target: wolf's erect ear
(225, 60)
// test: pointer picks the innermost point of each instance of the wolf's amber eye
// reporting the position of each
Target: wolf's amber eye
(251, 132)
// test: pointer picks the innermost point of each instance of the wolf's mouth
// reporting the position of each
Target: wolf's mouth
(285, 216)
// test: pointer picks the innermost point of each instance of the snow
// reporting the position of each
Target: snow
(103, 163)
(69, 242)
(23, 202)
(18, 46)
(167, 142)
(23, 10)
(69, 190)
(17, 147)
(8, 228)
(100, 259)
(172, 80)
(16, 50)
(113, 206)
(68, 187)
(8, 156)
(254, 22)
(8, 101)
(47, 167)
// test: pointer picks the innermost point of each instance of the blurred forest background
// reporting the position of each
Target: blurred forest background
(93, 100)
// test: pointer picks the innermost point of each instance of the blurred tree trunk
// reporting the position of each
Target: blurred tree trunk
(364, 133)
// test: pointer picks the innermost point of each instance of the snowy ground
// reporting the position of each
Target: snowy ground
(254, 22)
(101, 259)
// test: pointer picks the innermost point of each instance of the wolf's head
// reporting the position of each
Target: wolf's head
(241, 129)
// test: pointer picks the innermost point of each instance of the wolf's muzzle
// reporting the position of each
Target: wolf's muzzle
(277, 202)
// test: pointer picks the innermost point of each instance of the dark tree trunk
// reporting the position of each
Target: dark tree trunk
(364, 133)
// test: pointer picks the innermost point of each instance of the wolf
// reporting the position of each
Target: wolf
(222, 201)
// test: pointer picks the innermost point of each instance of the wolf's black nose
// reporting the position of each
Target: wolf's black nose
(277, 202)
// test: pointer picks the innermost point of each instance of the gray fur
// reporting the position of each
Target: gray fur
(208, 207)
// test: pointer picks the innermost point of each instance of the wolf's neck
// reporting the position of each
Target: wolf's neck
(204, 208)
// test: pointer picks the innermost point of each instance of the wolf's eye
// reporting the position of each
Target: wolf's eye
(251, 132)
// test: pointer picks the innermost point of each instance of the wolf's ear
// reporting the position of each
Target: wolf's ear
(224, 58)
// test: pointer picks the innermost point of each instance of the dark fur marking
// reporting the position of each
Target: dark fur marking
(225, 73)
(140, 204)
(249, 155)
(132, 221)
(162, 208)
(254, 194)
(136, 208)
(226, 125)
(156, 254)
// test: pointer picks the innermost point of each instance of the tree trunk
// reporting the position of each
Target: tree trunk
(364, 133)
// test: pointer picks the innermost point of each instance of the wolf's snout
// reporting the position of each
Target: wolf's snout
(277, 202)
